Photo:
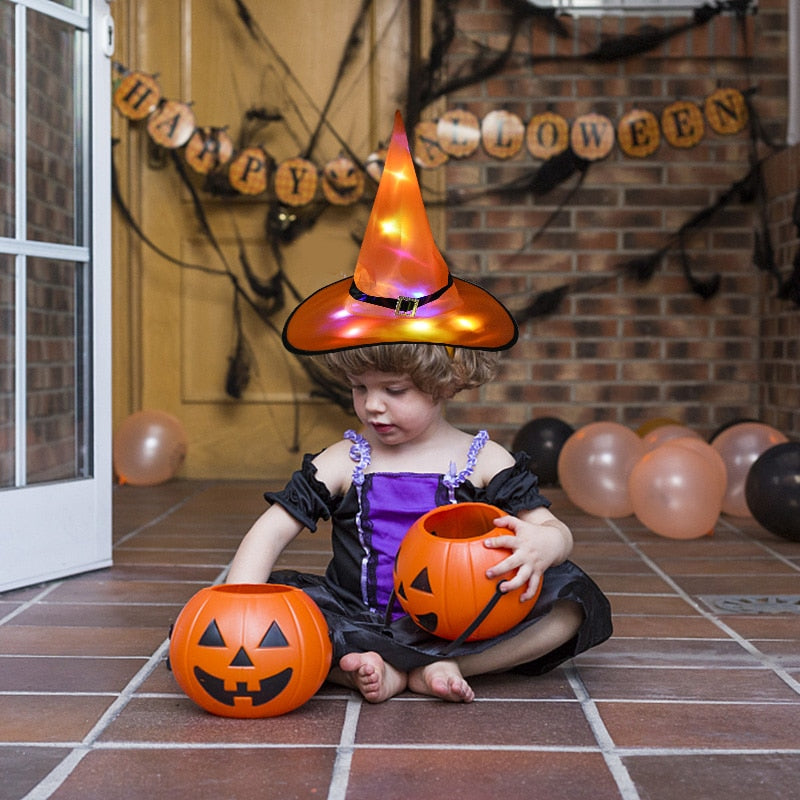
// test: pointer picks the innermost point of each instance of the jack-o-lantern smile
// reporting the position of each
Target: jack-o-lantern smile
(268, 687)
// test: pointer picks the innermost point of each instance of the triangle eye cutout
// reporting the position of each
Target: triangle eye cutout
(274, 637)
(421, 582)
(212, 637)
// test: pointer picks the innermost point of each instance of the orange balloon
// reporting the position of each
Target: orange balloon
(663, 433)
(740, 446)
(718, 472)
(594, 466)
(652, 424)
(149, 448)
(675, 492)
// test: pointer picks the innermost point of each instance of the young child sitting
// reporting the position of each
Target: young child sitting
(408, 336)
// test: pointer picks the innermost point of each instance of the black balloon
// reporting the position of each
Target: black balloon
(729, 424)
(542, 439)
(772, 490)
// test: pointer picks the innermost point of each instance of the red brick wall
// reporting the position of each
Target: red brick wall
(780, 322)
(626, 351)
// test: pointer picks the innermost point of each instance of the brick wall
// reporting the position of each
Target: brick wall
(780, 323)
(624, 350)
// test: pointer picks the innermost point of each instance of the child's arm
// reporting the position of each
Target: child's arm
(276, 527)
(261, 546)
(540, 541)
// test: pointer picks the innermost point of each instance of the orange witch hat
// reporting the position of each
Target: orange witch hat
(402, 289)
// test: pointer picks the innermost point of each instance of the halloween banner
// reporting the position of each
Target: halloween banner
(456, 134)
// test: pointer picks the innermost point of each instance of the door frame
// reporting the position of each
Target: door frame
(51, 530)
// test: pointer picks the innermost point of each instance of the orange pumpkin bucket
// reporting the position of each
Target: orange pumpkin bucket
(242, 650)
(440, 574)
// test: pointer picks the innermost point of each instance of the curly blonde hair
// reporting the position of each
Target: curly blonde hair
(435, 369)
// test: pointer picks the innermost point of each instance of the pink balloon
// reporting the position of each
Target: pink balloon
(740, 446)
(149, 447)
(594, 466)
(718, 474)
(665, 433)
(676, 492)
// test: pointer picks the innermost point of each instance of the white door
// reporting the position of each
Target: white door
(55, 293)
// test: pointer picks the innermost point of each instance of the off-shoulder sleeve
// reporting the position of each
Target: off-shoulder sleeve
(305, 497)
(513, 489)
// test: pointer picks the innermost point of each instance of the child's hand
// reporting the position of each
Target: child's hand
(534, 546)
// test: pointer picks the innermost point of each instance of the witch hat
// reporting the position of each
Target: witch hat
(402, 289)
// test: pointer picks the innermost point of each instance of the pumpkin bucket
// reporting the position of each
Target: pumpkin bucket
(242, 650)
(440, 574)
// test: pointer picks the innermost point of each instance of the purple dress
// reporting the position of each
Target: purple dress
(368, 524)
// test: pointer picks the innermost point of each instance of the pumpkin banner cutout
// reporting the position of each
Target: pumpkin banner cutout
(250, 650)
(440, 574)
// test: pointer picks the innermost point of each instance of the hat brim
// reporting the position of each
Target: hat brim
(330, 319)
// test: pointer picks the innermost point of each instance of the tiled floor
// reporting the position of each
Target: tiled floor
(693, 697)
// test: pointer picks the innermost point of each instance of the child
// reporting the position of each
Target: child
(407, 336)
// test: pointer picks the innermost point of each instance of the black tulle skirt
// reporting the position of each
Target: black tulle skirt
(406, 646)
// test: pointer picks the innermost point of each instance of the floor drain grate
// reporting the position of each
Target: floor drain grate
(752, 603)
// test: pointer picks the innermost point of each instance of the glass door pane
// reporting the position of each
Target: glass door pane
(53, 121)
(58, 433)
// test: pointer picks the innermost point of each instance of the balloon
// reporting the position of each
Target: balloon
(594, 466)
(148, 447)
(729, 424)
(652, 424)
(718, 472)
(542, 439)
(676, 491)
(740, 445)
(664, 433)
(772, 490)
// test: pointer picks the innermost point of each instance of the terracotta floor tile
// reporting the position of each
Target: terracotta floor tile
(433, 724)
(100, 589)
(636, 583)
(49, 718)
(684, 683)
(79, 641)
(765, 626)
(749, 726)
(661, 627)
(215, 774)
(23, 767)
(699, 584)
(478, 775)
(716, 777)
(669, 652)
(552, 686)
(70, 674)
(100, 616)
(177, 720)
(747, 567)
(652, 606)
(131, 554)
(162, 573)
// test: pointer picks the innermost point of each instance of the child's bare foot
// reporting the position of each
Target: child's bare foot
(372, 676)
(441, 679)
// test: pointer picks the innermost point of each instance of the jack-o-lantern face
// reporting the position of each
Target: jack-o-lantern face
(440, 574)
(342, 182)
(250, 651)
